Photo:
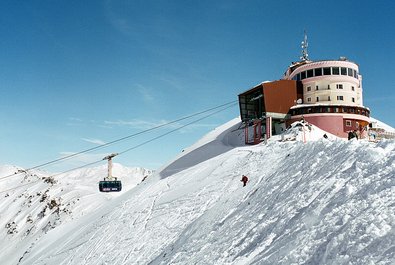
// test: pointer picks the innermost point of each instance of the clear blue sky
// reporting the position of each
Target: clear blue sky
(74, 74)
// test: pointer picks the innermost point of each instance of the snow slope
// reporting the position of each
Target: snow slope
(218, 141)
(382, 125)
(42, 203)
(326, 201)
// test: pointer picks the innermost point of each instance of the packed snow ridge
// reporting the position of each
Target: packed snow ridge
(309, 200)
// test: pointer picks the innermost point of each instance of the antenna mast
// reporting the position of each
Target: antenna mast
(305, 44)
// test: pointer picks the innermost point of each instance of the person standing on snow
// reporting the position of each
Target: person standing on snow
(244, 179)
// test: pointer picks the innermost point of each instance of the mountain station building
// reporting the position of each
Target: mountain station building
(325, 93)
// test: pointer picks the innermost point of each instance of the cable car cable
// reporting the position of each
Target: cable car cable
(54, 175)
(118, 140)
(176, 129)
(129, 149)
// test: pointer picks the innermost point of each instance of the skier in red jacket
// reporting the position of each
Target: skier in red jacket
(244, 179)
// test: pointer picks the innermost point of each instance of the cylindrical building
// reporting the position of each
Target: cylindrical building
(332, 96)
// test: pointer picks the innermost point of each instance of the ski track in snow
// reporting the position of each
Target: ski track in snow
(323, 202)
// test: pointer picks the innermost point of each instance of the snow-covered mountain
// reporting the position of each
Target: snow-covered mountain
(34, 202)
(309, 200)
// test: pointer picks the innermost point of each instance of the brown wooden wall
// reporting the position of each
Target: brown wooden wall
(280, 95)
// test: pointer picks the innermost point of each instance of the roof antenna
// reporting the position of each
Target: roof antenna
(305, 44)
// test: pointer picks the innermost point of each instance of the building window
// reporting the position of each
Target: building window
(343, 70)
(302, 75)
(353, 99)
(318, 71)
(329, 86)
(329, 98)
(310, 73)
(318, 99)
(327, 71)
(355, 74)
(353, 88)
(339, 86)
(335, 71)
(309, 88)
(316, 87)
(308, 99)
(348, 123)
(339, 97)
(350, 72)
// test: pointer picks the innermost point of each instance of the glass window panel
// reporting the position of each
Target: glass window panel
(335, 71)
(327, 71)
(350, 72)
(310, 73)
(343, 70)
(302, 75)
(318, 71)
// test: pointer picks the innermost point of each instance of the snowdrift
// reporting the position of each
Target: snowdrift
(221, 140)
(325, 201)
